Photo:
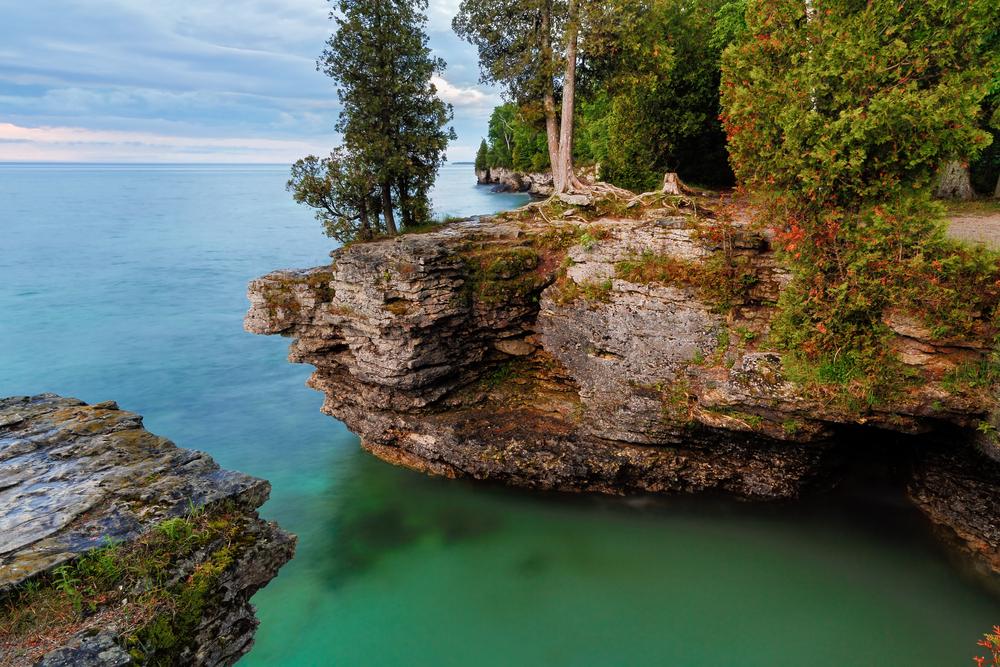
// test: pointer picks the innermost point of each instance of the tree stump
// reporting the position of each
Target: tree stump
(954, 181)
(672, 185)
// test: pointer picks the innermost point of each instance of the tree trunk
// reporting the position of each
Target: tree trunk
(996, 193)
(564, 177)
(673, 185)
(365, 231)
(404, 204)
(390, 221)
(548, 97)
(954, 181)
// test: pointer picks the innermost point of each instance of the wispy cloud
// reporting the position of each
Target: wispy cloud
(171, 74)
(85, 144)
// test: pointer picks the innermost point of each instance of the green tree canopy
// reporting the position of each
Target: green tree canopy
(850, 102)
(392, 121)
(530, 48)
(343, 191)
(839, 114)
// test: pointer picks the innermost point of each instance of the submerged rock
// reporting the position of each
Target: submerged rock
(75, 477)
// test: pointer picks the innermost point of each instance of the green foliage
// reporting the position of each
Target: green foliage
(723, 279)
(517, 140)
(392, 119)
(976, 380)
(856, 102)
(177, 530)
(156, 579)
(649, 92)
(509, 36)
(481, 163)
(343, 191)
(839, 114)
(665, 107)
(730, 24)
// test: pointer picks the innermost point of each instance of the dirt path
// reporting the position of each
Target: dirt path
(984, 228)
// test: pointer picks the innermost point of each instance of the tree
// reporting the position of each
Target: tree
(392, 120)
(481, 164)
(845, 102)
(343, 191)
(516, 40)
(662, 85)
(839, 114)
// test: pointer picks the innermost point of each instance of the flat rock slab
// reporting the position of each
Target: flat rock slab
(74, 476)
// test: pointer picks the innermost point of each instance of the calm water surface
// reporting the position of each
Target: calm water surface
(128, 283)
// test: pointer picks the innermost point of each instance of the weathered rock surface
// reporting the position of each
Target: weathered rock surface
(73, 476)
(535, 184)
(557, 373)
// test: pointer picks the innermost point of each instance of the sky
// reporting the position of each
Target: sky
(193, 81)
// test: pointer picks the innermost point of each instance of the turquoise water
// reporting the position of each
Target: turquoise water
(128, 283)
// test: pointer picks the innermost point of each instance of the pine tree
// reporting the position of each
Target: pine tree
(392, 119)
(481, 156)
(343, 191)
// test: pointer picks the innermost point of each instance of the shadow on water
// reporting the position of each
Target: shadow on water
(383, 509)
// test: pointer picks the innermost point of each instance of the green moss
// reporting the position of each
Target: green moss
(136, 574)
(498, 275)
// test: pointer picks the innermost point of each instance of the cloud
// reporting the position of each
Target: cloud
(204, 71)
(77, 144)
(462, 97)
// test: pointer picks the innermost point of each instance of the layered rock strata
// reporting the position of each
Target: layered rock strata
(515, 350)
(74, 477)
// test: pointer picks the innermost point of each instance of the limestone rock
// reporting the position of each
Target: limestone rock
(577, 379)
(73, 476)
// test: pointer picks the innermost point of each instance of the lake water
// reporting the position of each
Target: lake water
(128, 283)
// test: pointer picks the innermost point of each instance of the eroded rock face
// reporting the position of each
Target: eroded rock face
(558, 373)
(74, 476)
(536, 184)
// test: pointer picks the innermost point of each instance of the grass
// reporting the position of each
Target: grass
(975, 380)
(149, 587)
(983, 206)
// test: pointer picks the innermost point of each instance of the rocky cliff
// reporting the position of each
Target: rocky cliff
(145, 552)
(508, 180)
(620, 350)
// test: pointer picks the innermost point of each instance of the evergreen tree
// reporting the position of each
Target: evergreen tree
(343, 191)
(481, 164)
(392, 120)
(839, 115)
